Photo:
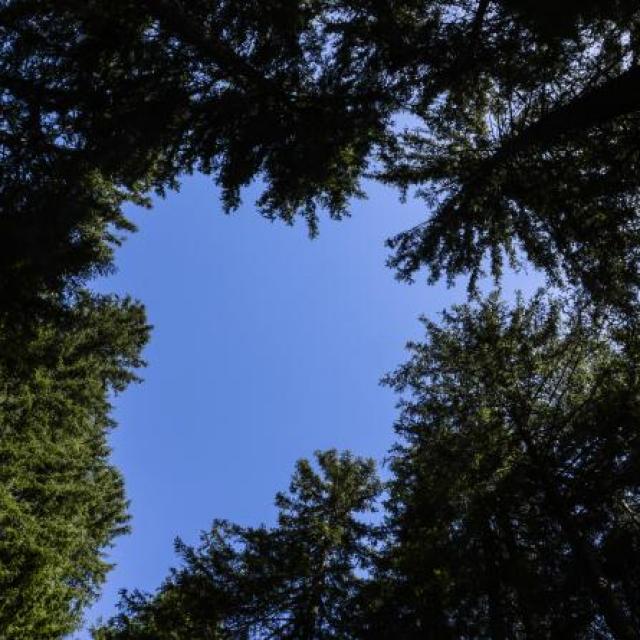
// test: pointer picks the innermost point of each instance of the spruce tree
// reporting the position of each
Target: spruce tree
(521, 122)
(516, 121)
(298, 579)
(513, 508)
(61, 500)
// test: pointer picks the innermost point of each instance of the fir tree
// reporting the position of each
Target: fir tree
(522, 140)
(513, 507)
(299, 579)
(522, 136)
(513, 510)
(61, 501)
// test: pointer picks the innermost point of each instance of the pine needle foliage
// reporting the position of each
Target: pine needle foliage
(61, 500)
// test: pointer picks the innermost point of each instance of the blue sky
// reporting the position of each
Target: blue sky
(266, 346)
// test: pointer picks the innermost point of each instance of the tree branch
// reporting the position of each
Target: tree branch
(617, 97)
(173, 18)
(476, 27)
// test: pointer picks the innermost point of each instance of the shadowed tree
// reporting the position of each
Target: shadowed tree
(522, 137)
(523, 123)
(513, 509)
(527, 142)
(103, 101)
(298, 579)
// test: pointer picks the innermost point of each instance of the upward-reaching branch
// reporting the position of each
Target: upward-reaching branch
(476, 27)
(617, 97)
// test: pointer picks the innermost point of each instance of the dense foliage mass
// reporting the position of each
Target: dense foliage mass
(512, 509)
(523, 123)
(514, 502)
(61, 502)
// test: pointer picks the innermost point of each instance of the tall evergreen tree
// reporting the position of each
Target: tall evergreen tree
(522, 138)
(106, 100)
(514, 507)
(523, 120)
(299, 579)
(60, 198)
(525, 142)
(61, 501)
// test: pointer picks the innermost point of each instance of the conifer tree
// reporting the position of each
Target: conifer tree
(514, 506)
(298, 579)
(521, 129)
(61, 501)
(521, 136)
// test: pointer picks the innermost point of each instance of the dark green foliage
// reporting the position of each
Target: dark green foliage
(516, 491)
(564, 19)
(298, 579)
(103, 101)
(525, 117)
(525, 142)
(61, 502)
(513, 508)
(60, 199)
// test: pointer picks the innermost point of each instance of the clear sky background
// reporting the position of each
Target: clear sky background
(266, 346)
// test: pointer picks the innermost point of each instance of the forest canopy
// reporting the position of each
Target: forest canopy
(521, 137)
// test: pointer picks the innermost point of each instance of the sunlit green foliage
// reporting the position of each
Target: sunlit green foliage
(61, 501)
